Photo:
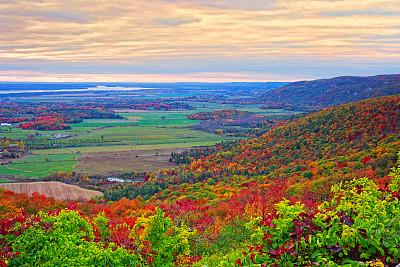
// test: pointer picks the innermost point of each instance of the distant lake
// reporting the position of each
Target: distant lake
(90, 89)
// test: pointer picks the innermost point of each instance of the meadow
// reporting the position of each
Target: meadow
(138, 132)
(37, 166)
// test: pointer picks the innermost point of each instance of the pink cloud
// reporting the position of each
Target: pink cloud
(32, 76)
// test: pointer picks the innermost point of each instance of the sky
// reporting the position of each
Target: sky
(198, 40)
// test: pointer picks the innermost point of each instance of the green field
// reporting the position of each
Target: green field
(209, 107)
(37, 166)
(138, 131)
(141, 128)
(94, 149)
(163, 118)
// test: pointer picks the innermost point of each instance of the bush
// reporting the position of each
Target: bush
(359, 226)
(307, 174)
(66, 239)
(168, 241)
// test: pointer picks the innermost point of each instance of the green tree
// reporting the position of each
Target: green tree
(168, 241)
(66, 240)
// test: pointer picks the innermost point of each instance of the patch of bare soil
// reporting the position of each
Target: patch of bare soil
(57, 190)
(109, 163)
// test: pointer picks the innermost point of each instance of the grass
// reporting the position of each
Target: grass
(144, 135)
(209, 107)
(94, 149)
(161, 118)
(37, 166)
(139, 131)
(17, 133)
(96, 123)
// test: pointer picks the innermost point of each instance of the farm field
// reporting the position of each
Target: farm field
(38, 166)
(57, 190)
(117, 148)
(211, 106)
(160, 118)
(100, 140)
(113, 163)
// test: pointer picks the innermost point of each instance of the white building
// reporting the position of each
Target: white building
(5, 124)
(114, 179)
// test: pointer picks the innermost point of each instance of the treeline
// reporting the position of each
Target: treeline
(188, 156)
(228, 114)
(237, 123)
(101, 183)
(45, 123)
(40, 142)
(51, 116)
(11, 149)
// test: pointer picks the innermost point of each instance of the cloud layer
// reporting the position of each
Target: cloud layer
(181, 37)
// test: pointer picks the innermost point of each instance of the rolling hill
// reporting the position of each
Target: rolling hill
(316, 94)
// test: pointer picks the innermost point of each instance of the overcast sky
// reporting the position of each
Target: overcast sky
(199, 40)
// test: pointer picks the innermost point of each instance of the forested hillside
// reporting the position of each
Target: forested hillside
(308, 155)
(314, 192)
(316, 94)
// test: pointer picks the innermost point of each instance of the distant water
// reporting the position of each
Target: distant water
(90, 89)
(19, 88)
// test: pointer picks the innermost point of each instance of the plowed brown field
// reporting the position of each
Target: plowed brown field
(57, 190)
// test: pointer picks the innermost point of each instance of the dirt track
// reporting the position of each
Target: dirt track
(57, 190)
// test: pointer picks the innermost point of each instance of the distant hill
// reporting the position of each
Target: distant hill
(316, 94)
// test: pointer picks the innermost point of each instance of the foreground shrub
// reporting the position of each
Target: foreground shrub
(66, 239)
(170, 243)
(359, 226)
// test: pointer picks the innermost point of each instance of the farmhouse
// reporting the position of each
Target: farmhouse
(114, 179)
(61, 136)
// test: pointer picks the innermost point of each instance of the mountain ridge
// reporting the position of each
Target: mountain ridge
(316, 94)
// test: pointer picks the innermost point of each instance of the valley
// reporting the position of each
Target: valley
(220, 175)
(153, 122)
